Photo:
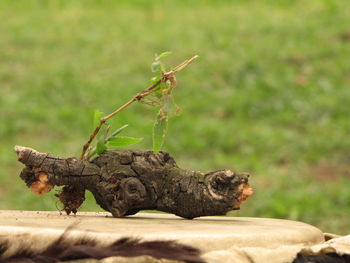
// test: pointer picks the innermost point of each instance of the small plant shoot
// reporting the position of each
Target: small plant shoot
(159, 94)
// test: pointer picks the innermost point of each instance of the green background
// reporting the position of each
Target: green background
(269, 95)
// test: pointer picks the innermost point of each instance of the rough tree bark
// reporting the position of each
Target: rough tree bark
(125, 182)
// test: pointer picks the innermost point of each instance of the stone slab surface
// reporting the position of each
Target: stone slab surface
(207, 233)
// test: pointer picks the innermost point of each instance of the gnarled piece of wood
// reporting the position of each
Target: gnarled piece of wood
(125, 182)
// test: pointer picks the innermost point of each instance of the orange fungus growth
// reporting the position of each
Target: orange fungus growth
(41, 186)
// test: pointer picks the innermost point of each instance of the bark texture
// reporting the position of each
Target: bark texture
(125, 182)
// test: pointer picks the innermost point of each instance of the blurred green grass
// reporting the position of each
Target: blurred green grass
(270, 94)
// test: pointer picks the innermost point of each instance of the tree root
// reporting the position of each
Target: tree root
(125, 182)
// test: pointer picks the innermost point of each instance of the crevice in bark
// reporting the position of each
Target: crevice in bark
(125, 182)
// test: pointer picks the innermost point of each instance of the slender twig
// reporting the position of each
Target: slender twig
(184, 64)
(166, 76)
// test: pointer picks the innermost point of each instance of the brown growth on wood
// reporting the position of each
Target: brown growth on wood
(72, 198)
(125, 182)
(41, 186)
(246, 192)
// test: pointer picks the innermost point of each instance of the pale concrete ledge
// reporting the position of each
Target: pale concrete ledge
(212, 235)
(207, 233)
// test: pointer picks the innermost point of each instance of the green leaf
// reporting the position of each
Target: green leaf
(158, 91)
(106, 131)
(97, 117)
(159, 131)
(163, 55)
(123, 141)
(156, 65)
(154, 80)
(168, 105)
(116, 132)
(101, 146)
